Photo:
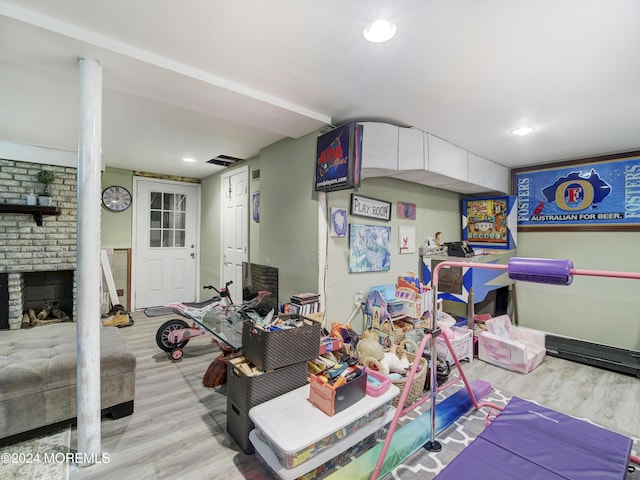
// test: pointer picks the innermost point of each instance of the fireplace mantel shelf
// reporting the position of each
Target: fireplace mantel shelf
(38, 211)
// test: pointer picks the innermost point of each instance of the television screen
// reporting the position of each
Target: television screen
(260, 277)
(338, 155)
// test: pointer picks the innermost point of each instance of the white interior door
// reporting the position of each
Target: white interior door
(166, 252)
(235, 226)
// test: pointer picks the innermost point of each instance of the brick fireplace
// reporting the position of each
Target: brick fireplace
(43, 254)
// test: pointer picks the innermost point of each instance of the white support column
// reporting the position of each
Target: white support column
(88, 272)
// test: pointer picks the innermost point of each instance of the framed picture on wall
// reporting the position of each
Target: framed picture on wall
(255, 206)
(369, 248)
(338, 222)
(406, 210)
(598, 193)
(490, 222)
(407, 238)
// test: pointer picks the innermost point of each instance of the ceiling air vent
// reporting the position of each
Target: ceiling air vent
(224, 160)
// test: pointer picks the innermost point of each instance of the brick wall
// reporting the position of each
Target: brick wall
(27, 247)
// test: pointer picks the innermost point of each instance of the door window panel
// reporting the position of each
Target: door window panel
(167, 220)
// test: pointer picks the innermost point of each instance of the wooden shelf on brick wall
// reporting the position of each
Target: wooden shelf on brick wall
(38, 211)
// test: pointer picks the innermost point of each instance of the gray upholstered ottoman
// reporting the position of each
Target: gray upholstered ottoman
(38, 376)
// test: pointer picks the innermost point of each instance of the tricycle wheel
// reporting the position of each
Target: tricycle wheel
(162, 336)
(176, 354)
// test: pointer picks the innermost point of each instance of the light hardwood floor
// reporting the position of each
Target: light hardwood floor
(178, 428)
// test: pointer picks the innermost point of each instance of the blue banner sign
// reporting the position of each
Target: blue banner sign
(597, 194)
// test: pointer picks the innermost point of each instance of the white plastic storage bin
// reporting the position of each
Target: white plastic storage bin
(325, 463)
(296, 431)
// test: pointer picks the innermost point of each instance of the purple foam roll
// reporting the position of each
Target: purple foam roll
(552, 271)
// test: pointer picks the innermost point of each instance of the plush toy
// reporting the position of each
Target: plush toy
(394, 364)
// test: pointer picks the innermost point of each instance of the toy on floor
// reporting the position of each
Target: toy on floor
(226, 326)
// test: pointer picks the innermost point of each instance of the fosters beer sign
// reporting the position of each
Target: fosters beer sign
(594, 195)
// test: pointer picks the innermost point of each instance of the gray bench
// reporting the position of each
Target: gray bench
(38, 377)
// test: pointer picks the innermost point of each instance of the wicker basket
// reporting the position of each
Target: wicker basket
(417, 386)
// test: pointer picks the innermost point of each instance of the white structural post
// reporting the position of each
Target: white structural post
(88, 275)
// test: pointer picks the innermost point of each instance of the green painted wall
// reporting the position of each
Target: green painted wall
(600, 310)
(115, 231)
(436, 210)
(289, 214)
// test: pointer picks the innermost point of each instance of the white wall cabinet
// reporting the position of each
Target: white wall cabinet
(414, 155)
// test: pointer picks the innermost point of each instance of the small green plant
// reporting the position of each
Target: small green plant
(45, 177)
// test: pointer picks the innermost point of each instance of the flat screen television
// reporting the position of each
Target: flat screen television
(257, 277)
(338, 158)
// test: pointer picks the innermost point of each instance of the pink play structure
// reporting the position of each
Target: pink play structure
(538, 270)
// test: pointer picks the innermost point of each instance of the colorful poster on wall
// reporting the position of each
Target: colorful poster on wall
(489, 222)
(601, 193)
(369, 248)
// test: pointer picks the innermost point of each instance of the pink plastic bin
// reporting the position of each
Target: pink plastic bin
(377, 383)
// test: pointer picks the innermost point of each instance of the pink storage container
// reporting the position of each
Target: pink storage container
(377, 383)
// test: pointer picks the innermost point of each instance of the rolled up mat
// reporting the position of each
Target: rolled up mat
(551, 271)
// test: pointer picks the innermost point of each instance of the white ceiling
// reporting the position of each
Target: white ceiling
(202, 78)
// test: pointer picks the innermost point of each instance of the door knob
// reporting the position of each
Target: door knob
(193, 255)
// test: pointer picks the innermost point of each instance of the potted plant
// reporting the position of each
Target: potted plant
(45, 177)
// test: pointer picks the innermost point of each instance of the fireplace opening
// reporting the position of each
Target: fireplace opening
(47, 297)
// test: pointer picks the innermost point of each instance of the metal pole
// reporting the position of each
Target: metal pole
(433, 445)
(88, 270)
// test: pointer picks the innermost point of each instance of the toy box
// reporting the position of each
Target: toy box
(334, 400)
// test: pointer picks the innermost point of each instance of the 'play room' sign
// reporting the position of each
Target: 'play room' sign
(370, 207)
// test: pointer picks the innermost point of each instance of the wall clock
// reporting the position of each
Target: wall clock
(116, 198)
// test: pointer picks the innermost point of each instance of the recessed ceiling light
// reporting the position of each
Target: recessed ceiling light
(522, 131)
(189, 160)
(380, 31)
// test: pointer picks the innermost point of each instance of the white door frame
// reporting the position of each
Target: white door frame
(223, 177)
(134, 231)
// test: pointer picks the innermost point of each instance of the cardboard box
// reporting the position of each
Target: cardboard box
(334, 400)
(330, 345)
